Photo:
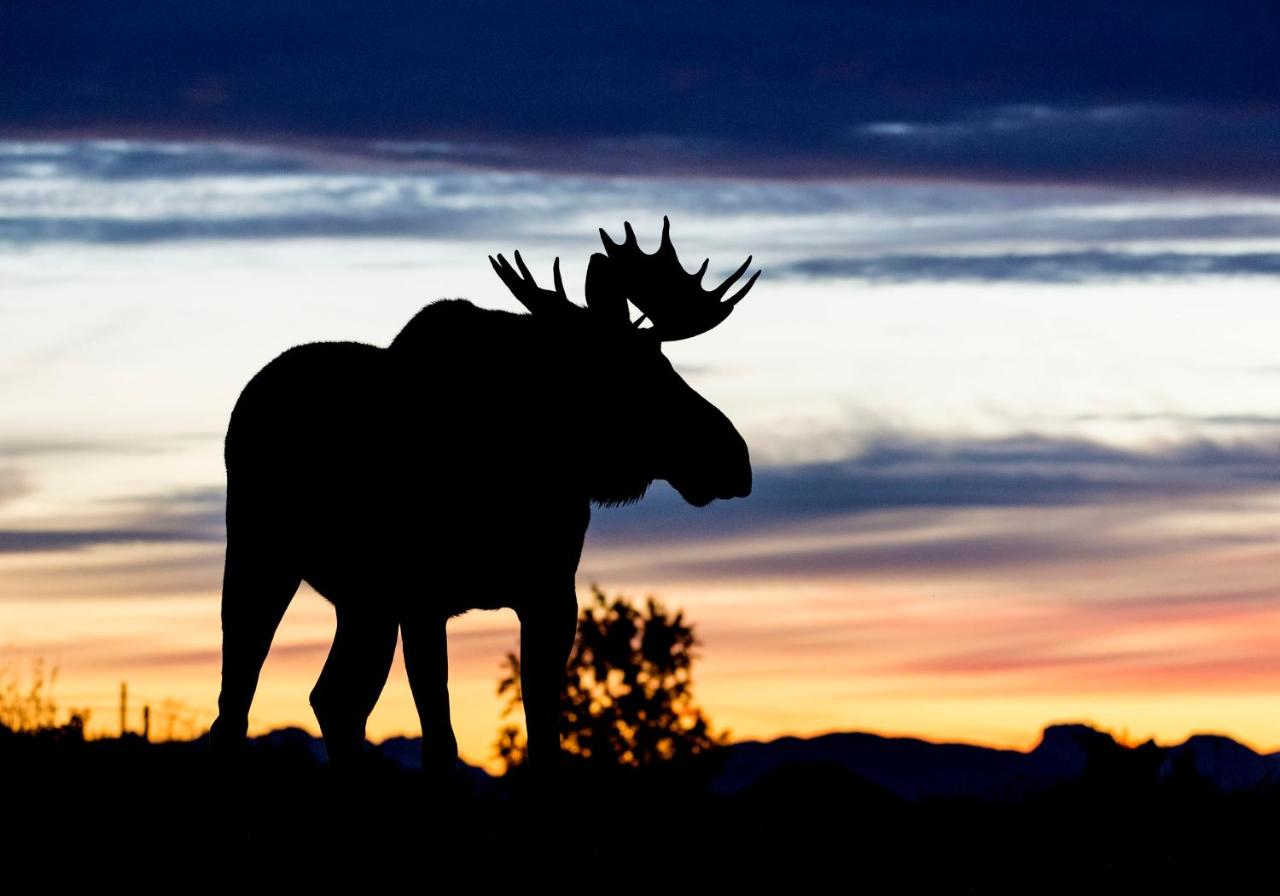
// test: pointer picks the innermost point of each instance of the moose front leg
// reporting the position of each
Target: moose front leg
(546, 638)
(426, 661)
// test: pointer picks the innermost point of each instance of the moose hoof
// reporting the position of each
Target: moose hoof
(226, 738)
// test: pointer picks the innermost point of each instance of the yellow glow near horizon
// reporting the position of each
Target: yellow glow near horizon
(945, 656)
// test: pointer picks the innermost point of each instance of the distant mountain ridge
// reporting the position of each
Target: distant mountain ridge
(914, 769)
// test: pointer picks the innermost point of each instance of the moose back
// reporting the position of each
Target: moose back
(455, 470)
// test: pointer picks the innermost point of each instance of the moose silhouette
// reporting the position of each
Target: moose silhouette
(455, 469)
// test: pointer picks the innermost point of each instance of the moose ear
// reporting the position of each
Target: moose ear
(606, 294)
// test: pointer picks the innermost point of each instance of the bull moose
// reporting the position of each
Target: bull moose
(455, 469)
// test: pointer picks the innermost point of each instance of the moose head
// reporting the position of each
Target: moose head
(670, 431)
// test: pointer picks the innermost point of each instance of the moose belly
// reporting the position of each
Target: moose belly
(453, 557)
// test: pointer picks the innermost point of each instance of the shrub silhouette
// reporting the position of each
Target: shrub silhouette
(628, 699)
(26, 701)
(27, 705)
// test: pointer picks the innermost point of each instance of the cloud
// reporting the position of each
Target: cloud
(888, 472)
(1068, 141)
(913, 509)
(193, 515)
(1058, 267)
(71, 345)
(1256, 420)
(1214, 639)
(897, 508)
(156, 569)
(190, 516)
(1019, 543)
(12, 486)
(206, 657)
(895, 473)
(115, 231)
(118, 160)
(14, 448)
(22, 447)
(39, 540)
(126, 193)
(1099, 91)
(908, 556)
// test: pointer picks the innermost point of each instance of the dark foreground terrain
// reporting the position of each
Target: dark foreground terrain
(1085, 813)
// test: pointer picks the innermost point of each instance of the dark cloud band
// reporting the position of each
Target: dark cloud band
(1104, 92)
(895, 473)
(1058, 267)
(888, 473)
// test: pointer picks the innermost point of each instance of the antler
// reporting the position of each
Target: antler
(530, 295)
(665, 292)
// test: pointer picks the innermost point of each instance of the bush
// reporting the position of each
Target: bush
(628, 700)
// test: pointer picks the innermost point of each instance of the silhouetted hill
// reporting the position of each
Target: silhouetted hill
(1229, 766)
(876, 768)
(406, 752)
(293, 740)
(903, 766)
(916, 769)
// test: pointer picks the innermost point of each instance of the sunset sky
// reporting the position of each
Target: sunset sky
(1010, 376)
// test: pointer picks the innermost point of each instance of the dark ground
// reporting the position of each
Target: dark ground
(119, 808)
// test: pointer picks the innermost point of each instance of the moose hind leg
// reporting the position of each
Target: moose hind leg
(352, 680)
(256, 590)
(426, 662)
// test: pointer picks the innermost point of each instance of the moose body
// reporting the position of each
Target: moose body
(453, 470)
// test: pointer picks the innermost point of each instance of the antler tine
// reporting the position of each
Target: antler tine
(524, 271)
(733, 278)
(737, 296)
(658, 285)
(526, 290)
(555, 272)
(503, 270)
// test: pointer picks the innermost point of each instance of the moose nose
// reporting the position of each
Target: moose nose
(740, 471)
(738, 481)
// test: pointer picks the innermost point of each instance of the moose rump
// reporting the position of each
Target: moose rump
(378, 478)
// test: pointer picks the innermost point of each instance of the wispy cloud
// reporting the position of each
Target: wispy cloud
(41, 540)
(893, 472)
(889, 472)
(1245, 420)
(1058, 267)
(132, 193)
(181, 517)
(35, 446)
(12, 485)
(79, 338)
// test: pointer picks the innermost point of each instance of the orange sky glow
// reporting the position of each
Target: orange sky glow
(1148, 647)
